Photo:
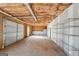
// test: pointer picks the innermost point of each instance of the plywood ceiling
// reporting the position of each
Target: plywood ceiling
(44, 12)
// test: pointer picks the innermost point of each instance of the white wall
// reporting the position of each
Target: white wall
(12, 32)
(65, 30)
(40, 33)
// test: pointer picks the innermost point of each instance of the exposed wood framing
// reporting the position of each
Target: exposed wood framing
(10, 16)
(31, 16)
(31, 12)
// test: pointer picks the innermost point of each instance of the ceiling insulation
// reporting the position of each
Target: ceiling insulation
(44, 12)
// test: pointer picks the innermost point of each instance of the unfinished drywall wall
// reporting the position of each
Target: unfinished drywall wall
(10, 29)
(40, 33)
(65, 30)
(20, 31)
(12, 32)
(39, 30)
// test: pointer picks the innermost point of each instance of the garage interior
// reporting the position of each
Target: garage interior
(39, 29)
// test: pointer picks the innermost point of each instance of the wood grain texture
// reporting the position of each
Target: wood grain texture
(1, 31)
(38, 28)
(28, 30)
(50, 10)
(34, 46)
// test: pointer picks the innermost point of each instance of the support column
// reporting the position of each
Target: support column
(28, 30)
(1, 32)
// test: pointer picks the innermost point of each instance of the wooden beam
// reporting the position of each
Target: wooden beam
(31, 16)
(11, 17)
(27, 5)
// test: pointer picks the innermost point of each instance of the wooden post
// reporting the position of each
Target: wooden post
(1, 32)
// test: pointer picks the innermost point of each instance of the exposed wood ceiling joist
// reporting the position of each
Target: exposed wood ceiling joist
(31, 12)
(18, 20)
(42, 13)
(10, 16)
(31, 16)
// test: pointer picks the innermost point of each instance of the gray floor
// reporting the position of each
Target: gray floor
(33, 46)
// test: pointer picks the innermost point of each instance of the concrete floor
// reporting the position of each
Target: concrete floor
(33, 46)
